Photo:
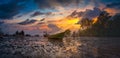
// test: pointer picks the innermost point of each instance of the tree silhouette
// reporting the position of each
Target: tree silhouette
(22, 33)
(16, 33)
(103, 26)
(103, 19)
(85, 22)
(114, 25)
(1, 33)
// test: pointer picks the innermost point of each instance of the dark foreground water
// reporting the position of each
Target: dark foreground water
(77, 47)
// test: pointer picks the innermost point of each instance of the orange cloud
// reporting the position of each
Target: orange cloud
(112, 11)
(44, 27)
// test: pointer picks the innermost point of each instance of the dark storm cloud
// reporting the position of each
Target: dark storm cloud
(51, 4)
(8, 10)
(86, 14)
(27, 21)
(43, 4)
(36, 14)
(68, 2)
(114, 5)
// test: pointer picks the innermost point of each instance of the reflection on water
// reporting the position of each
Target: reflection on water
(69, 47)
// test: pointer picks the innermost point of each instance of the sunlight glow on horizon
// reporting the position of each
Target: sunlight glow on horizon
(68, 23)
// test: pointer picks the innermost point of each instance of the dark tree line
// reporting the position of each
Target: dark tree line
(106, 25)
(21, 33)
(1, 33)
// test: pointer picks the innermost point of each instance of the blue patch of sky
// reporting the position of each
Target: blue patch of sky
(4, 1)
(28, 7)
(109, 1)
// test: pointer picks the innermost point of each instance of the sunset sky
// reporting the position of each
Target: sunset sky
(48, 14)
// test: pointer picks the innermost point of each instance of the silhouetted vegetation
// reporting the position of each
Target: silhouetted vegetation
(85, 22)
(1, 33)
(28, 35)
(106, 25)
(21, 33)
